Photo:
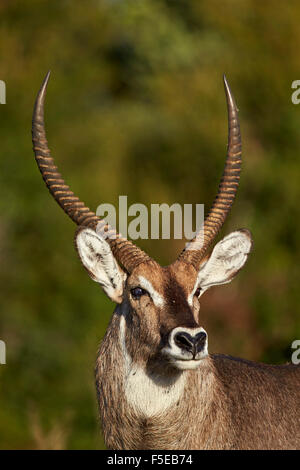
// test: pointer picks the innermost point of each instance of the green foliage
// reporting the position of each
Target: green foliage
(136, 106)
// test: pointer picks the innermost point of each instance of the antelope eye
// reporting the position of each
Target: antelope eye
(197, 292)
(137, 292)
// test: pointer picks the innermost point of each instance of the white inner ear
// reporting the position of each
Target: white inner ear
(227, 258)
(97, 258)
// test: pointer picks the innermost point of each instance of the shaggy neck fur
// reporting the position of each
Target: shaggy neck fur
(143, 407)
(227, 403)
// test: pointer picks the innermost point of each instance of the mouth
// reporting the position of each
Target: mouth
(187, 365)
(184, 362)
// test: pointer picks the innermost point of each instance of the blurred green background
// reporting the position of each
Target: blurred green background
(136, 107)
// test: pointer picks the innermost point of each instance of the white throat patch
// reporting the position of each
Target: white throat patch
(148, 395)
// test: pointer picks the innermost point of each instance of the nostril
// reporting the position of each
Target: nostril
(200, 336)
(184, 340)
(200, 340)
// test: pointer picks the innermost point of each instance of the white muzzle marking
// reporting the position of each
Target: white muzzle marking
(180, 357)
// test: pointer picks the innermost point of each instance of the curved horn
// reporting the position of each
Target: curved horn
(196, 248)
(125, 252)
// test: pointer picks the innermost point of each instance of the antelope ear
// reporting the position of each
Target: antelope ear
(97, 258)
(226, 260)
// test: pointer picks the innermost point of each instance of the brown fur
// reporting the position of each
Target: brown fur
(227, 403)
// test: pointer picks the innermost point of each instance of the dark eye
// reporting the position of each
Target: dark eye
(137, 292)
(197, 292)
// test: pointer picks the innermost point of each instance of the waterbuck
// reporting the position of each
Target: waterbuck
(157, 385)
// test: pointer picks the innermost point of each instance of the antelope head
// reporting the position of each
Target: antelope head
(159, 306)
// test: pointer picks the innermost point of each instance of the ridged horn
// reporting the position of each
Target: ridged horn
(197, 248)
(127, 254)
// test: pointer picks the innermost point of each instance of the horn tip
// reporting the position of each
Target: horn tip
(39, 102)
(226, 85)
(229, 95)
(47, 75)
(45, 82)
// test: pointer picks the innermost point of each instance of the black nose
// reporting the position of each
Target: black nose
(189, 342)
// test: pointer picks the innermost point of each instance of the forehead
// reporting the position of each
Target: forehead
(171, 281)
